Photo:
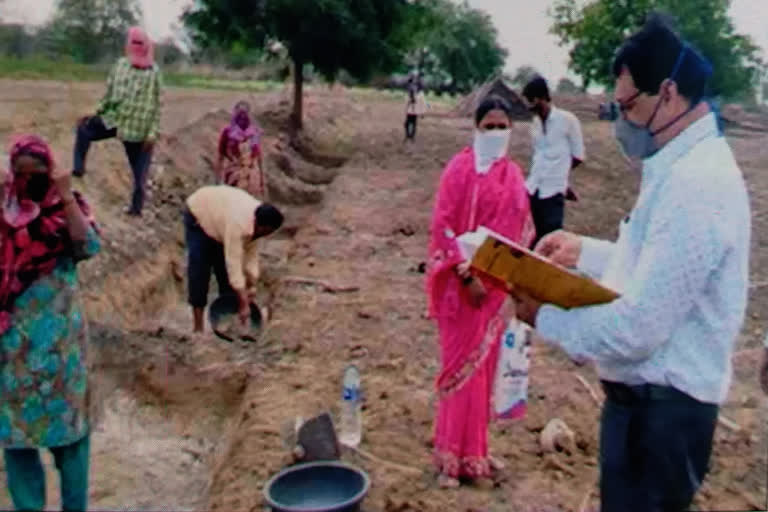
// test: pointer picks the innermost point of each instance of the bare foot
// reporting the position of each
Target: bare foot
(496, 464)
(447, 482)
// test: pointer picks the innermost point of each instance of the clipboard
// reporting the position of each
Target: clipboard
(542, 279)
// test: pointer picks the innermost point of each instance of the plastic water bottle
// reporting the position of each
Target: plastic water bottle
(351, 413)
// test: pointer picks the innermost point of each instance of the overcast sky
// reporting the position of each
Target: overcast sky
(523, 26)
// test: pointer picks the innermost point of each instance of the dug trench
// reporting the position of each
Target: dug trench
(194, 423)
(369, 238)
(168, 396)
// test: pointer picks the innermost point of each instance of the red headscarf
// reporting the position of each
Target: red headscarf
(139, 48)
(33, 235)
(241, 127)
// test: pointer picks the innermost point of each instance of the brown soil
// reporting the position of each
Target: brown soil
(194, 423)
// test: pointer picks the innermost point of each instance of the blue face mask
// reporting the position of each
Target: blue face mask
(637, 141)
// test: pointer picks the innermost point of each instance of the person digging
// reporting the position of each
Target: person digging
(222, 225)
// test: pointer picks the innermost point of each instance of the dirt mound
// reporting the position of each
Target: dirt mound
(291, 181)
(744, 122)
(307, 148)
(288, 190)
(497, 86)
(289, 161)
(583, 106)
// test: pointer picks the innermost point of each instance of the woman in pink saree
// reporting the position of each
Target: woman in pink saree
(480, 186)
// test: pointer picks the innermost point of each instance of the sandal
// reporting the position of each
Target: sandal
(496, 464)
(448, 482)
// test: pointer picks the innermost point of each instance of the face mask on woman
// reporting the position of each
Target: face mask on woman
(489, 146)
(37, 187)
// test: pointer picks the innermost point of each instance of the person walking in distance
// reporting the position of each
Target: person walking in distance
(558, 147)
(130, 110)
(415, 107)
(411, 114)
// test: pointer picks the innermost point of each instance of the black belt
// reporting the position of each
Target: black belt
(626, 394)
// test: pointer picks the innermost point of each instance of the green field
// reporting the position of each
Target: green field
(69, 71)
(46, 69)
(66, 70)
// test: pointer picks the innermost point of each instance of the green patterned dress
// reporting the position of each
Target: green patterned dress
(43, 362)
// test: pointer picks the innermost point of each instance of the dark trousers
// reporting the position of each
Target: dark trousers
(26, 476)
(204, 254)
(548, 214)
(94, 130)
(655, 446)
(410, 126)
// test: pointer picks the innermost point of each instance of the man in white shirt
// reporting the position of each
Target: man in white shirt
(681, 263)
(558, 147)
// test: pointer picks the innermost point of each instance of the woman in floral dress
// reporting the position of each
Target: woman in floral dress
(45, 230)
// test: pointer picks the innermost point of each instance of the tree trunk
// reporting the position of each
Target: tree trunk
(297, 117)
(422, 59)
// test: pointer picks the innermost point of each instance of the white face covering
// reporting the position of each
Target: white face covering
(490, 146)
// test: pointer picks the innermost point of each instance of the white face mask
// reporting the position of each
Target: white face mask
(490, 146)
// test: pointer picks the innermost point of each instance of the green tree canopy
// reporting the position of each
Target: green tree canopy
(15, 40)
(596, 30)
(465, 44)
(360, 37)
(90, 30)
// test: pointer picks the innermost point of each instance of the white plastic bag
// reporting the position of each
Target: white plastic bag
(510, 387)
(471, 241)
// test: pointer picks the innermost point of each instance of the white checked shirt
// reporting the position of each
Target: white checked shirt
(553, 150)
(681, 264)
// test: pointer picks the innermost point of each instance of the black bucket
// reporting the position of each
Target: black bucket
(225, 308)
(325, 486)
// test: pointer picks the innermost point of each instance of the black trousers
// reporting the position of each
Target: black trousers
(655, 447)
(410, 125)
(94, 130)
(548, 214)
(203, 255)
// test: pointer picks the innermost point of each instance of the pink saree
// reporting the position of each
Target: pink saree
(469, 336)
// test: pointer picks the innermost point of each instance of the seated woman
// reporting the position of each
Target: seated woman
(480, 186)
(240, 163)
(45, 230)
